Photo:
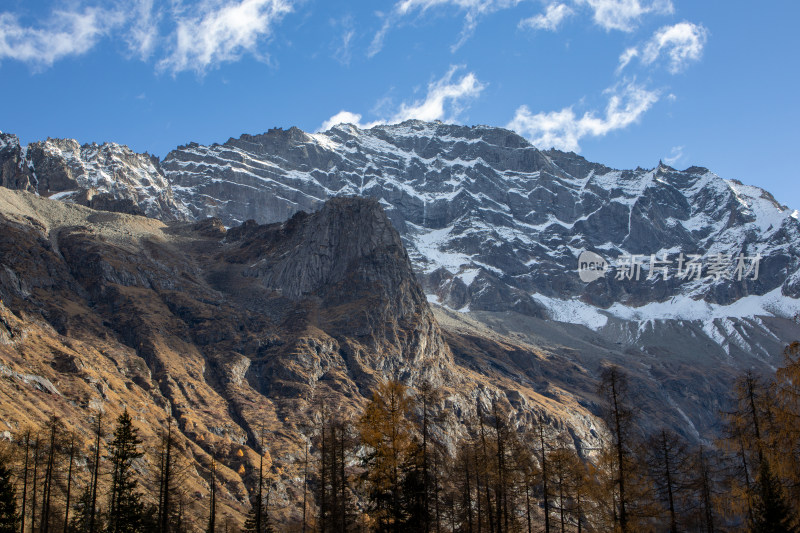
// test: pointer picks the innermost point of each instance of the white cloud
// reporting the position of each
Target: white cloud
(67, 33)
(343, 46)
(564, 129)
(445, 100)
(222, 33)
(682, 44)
(442, 93)
(550, 20)
(343, 117)
(624, 15)
(626, 57)
(473, 10)
(142, 37)
(675, 155)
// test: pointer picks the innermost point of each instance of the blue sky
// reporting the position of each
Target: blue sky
(622, 82)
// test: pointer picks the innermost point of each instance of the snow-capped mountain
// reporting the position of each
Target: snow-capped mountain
(495, 227)
(108, 176)
(492, 224)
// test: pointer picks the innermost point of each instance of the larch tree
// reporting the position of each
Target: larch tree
(667, 457)
(387, 431)
(630, 486)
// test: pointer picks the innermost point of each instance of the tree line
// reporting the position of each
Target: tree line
(395, 468)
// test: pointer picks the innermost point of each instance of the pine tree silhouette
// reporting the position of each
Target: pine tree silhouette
(126, 510)
(8, 502)
(771, 513)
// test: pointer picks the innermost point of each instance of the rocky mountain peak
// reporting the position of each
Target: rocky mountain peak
(347, 261)
(14, 173)
(108, 176)
(324, 249)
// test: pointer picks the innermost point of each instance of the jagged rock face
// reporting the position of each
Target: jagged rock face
(346, 264)
(503, 218)
(226, 331)
(490, 222)
(108, 177)
(13, 171)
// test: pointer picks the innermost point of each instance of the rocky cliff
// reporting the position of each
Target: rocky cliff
(225, 331)
(109, 177)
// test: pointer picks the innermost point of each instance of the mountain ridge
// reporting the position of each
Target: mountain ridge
(448, 189)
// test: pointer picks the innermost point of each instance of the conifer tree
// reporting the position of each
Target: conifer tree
(82, 521)
(25, 469)
(93, 520)
(125, 510)
(568, 482)
(771, 513)
(37, 448)
(667, 457)
(71, 451)
(49, 474)
(9, 518)
(258, 517)
(632, 499)
(785, 441)
(168, 482)
(212, 506)
(386, 430)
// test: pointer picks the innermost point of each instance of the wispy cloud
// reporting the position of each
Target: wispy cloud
(624, 15)
(681, 43)
(64, 34)
(142, 36)
(626, 57)
(222, 33)
(675, 155)
(563, 129)
(550, 20)
(446, 99)
(343, 46)
(473, 11)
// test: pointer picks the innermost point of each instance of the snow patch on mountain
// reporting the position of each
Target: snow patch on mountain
(716, 319)
(573, 312)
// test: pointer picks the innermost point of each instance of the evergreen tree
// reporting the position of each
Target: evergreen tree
(9, 519)
(257, 520)
(258, 517)
(771, 513)
(212, 506)
(126, 512)
(81, 521)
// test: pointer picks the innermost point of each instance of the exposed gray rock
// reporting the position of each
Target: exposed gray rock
(14, 173)
(501, 216)
(108, 177)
